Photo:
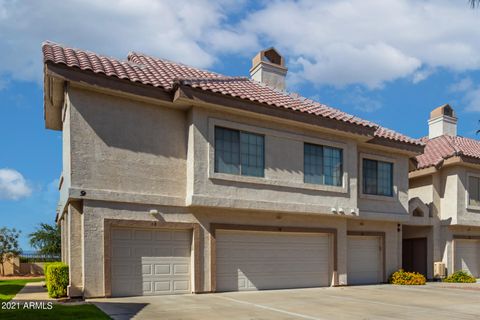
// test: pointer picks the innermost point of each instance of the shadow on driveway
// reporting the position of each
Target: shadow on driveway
(120, 310)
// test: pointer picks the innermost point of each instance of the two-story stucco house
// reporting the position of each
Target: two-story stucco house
(444, 200)
(179, 180)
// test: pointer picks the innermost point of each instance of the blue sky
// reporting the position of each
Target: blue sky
(389, 61)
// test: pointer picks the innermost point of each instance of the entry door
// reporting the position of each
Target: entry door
(414, 255)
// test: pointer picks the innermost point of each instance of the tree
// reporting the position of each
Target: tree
(474, 3)
(8, 244)
(46, 239)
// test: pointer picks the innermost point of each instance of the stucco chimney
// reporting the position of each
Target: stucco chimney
(442, 122)
(268, 66)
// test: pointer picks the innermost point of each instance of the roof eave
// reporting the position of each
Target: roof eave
(53, 99)
(186, 92)
(412, 149)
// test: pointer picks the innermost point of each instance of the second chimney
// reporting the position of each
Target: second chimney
(268, 66)
(442, 122)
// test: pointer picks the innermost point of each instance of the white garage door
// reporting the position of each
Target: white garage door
(250, 260)
(467, 256)
(364, 260)
(150, 261)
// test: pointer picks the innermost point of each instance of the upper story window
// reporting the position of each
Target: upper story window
(323, 165)
(239, 152)
(377, 177)
(474, 191)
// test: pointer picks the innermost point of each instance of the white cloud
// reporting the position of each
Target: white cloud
(362, 101)
(422, 74)
(338, 43)
(176, 30)
(470, 93)
(462, 85)
(13, 185)
(370, 42)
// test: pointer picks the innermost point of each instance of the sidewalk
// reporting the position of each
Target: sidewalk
(33, 291)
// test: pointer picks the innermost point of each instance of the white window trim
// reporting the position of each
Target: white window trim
(265, 180)
(371, 156)
(467, 192)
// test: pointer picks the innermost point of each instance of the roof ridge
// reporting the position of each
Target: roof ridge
(167, 74)
(131, 54)
(211, 79)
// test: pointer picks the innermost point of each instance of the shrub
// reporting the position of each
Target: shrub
(45, 267)
(56, 276)
(460, 277)
(402, 277)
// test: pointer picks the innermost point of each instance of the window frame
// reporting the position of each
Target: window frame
(376, 157)
(470, 206)
(323, 147)
(241, 160)
(271, 135)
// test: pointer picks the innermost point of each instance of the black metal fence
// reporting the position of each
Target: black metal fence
(27, 257)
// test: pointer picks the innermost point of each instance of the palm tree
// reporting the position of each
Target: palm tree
(46, 239)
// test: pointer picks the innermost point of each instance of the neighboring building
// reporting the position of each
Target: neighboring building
(444, 200)
(178, 180)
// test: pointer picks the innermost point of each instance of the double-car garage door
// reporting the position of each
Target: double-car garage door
(251, 260)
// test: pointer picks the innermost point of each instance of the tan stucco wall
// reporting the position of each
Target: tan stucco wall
(376, 206)
(422, 188)
(96, 211)
(283, 188)
(132, 156)
(446, 188)
(124, 145)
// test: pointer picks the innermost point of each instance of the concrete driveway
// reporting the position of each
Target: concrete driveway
(433, 301)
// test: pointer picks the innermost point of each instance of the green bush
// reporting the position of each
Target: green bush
(460, 277)
(45, 267)
(402, 277)
(56, 276)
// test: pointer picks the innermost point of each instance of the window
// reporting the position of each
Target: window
(474, 191)
(377, 177)
(322, 165)
(239, 152)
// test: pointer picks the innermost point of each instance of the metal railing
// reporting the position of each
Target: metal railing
(27, 257)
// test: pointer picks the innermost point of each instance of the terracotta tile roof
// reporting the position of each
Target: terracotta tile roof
(166, 74)
(444, 147)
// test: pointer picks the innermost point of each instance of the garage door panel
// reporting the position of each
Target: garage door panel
(121, 234)
(150, 262)
(364, 264)
(250, 260)
(467, 256)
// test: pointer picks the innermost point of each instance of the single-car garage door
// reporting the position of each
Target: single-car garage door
(467, 256)
(150, 261)
(253, 260)
(364, 260)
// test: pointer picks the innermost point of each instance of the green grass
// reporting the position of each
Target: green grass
(80, 312)
(9, 288)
